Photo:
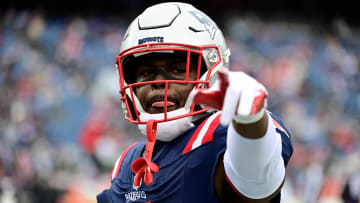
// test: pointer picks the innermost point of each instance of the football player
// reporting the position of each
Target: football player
(209, 136)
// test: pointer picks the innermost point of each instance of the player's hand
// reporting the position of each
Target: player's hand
(238, 95)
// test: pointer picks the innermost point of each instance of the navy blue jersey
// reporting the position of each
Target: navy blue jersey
(187, 167)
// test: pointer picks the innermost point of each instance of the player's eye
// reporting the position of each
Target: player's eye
(179, 70)
(146, 73)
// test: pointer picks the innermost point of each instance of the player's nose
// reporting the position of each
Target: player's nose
(159, 77)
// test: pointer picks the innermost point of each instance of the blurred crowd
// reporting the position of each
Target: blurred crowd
(312, 73)
(61, 123)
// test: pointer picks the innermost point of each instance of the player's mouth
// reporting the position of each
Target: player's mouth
(162, 104)
(158, 104)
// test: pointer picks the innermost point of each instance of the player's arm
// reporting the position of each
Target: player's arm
(252, 166)
(224, 185)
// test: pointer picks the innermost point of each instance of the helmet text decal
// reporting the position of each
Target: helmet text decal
(151, 39)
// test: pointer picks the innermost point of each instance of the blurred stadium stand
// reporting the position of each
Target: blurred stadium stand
(61, 126)
(309, 8)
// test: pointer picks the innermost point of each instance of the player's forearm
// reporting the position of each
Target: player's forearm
(252, 130)
(254, 166)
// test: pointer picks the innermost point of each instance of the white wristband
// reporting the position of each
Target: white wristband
(254, 166)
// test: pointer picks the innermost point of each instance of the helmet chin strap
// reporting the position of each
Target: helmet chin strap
(169, 130)
(143, 166)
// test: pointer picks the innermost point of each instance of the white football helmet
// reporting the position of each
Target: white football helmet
(169, 28)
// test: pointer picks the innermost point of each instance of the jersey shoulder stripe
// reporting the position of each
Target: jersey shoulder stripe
(287, 148)
(204, 133)
(278, 126)
(119, 161)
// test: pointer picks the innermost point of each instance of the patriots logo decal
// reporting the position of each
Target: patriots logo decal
(209, 25)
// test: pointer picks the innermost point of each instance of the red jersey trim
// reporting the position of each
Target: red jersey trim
(118, 163)
(278, 126)
(236, 191)
(204, 133)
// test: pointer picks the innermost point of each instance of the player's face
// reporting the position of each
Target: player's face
(152, 96)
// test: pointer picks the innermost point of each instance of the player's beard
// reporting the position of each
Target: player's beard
(167, 131)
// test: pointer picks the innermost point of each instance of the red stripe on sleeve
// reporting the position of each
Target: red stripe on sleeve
(209, 135)
(118, 166)
(193, 138)
(278, 126)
